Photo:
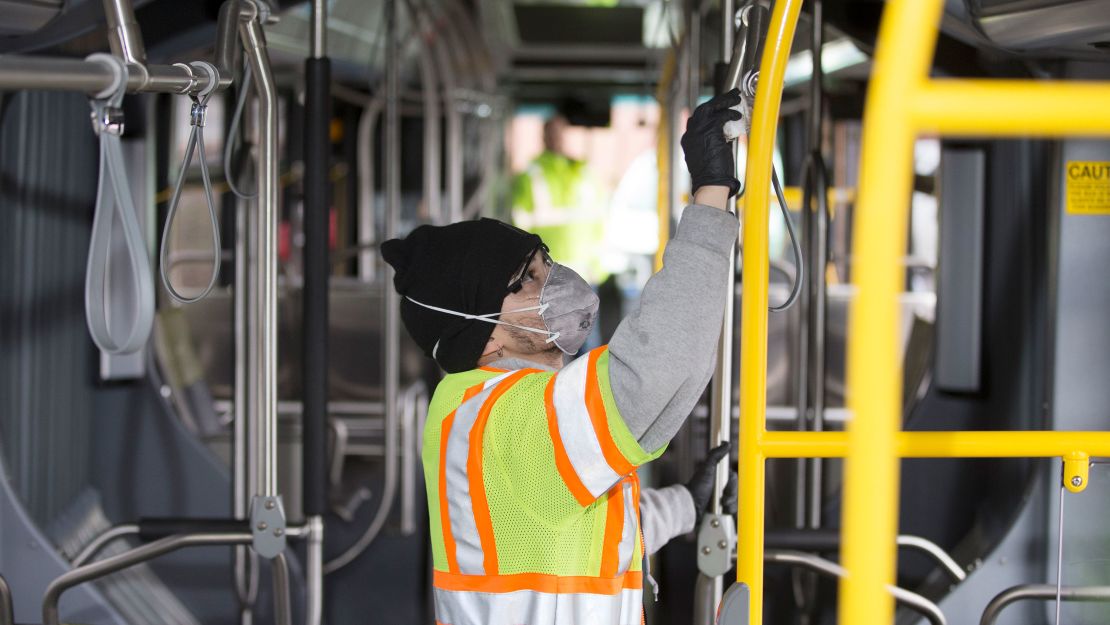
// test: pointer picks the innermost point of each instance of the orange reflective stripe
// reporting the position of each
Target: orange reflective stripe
(538, 582)
(614, 529)
(478, 500)
(596, 407)
(562, 461)
(444, 512)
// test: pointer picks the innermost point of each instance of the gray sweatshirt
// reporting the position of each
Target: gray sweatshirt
(662, 356)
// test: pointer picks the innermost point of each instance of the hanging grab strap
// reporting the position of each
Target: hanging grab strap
(196, 141)
(233, 135)
(114, 195)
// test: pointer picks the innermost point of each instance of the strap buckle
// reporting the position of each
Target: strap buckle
(107, 120)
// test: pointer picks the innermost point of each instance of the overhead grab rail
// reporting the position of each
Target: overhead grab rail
(902, 103)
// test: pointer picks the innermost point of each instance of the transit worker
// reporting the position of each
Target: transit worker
(557, 198)
(530, 460)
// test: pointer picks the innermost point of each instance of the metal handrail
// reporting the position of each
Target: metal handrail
(817, 564)
(128, 559)
(826, 567)
(936, 552)
(102, 540)
(828, 540)
(1040, 591)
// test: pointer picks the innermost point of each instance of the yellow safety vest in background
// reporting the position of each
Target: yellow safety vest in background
(556, 199)
(533, 498)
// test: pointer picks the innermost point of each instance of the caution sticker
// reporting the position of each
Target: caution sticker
(1088, 187)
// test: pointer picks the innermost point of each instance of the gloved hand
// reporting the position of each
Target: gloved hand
(708, 152)
(701, 483)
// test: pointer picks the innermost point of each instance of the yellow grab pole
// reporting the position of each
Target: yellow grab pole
(903, 55)
(664, 156)
(753, 323)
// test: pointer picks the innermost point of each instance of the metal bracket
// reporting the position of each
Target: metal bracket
(1077, 468)
(735, 605)
(716, 544)
(268, 525)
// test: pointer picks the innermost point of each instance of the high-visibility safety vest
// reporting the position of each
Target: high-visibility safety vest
(533, 498)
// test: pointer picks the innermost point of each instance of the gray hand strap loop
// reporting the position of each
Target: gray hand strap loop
(233, 134)
(196, 142)
(113, 195)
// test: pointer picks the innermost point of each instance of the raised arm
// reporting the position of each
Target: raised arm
(662, 355)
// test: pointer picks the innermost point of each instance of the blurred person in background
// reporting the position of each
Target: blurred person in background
(557, 198)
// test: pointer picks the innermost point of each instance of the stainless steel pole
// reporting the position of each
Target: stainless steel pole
(720, 414)
(263, 359)
(314, 574)
(267, 515)
(244, 482)
(318, 43)
(819, 253)
(283, 608)
(124, 36)
(393, 210)
(433, 140)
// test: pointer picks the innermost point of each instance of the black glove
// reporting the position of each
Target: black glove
(728, 496)
(701, 483)
(708, 153)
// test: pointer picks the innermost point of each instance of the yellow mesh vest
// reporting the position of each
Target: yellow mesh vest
(533, 497)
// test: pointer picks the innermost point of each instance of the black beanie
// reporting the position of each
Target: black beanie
(465, 267)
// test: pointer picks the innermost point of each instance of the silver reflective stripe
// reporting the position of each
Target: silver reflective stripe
(631, 532)
(461, 511)
(577, 431)
(528, 607)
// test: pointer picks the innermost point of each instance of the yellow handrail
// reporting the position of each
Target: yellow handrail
(753, 322)
(902, 103)
(959, 444)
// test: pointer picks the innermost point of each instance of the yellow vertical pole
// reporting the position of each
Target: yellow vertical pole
(903, 55)
(664, 157)
(753, 323)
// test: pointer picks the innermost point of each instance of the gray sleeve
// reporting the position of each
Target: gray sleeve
(662, 355)
(664, 514)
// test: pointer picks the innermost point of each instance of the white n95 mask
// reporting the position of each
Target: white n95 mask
(568, 308)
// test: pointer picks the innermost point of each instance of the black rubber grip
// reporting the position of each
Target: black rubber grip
(317, 153)
(153, 529)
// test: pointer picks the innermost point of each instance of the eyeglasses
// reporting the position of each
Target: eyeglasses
(521, 274)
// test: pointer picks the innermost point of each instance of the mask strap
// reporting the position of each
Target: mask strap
(488, 318)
